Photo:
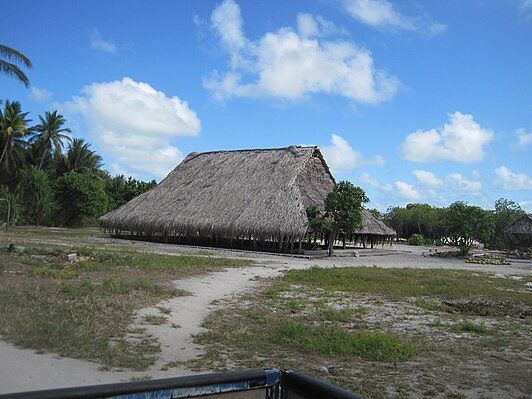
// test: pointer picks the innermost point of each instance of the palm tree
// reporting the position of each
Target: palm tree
(9, 58)
(49, 135)
(13, 127)
(79, 158)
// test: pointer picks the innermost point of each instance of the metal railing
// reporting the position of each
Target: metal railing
(245, 384)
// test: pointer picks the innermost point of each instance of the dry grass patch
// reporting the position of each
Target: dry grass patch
(82, 309)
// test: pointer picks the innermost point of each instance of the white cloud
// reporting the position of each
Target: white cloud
(310, 26)
(378, 13)
(382, 14)
(512, 181)
(40, 94)
(98, 42)
(408, 191)
(366, 178)
(524, 138)
(427, 179)
(292, 64)
(134, 124)
(342, 158)
(526, 205)
(460, 140)
(457, 182)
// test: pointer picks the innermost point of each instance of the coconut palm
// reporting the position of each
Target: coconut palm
(9, 58)
(49, 134)
(13, 127)
(78, 158)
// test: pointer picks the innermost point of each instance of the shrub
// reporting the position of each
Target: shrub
(417, 239)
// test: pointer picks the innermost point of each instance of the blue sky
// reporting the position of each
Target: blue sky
(414, 101)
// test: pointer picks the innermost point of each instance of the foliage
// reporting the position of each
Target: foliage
(417, 219)
(9, 58)
(506, 212)
(81, 198)
(466, 224)
(316, 220)
(36, 196)
(121, 190)
(33, 167)
(49, 134)
(343, 209)
(417, 239)
(78, 158)
(13, 127)
(8, 199)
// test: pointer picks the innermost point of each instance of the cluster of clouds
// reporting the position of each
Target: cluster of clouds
(342, 158)
(381, 14)
(134, 124)
(294, 63)
(460, 140)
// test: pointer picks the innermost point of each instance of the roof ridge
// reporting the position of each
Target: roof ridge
(256, 149)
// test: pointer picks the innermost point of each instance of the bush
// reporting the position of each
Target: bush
(81, 199)
(417, 239)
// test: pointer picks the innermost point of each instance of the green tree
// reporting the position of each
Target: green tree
(121, 190)
(506, 212)
(9, 58)
(466, 224)
(49, 134)
(343, 210)
(81, 199)
(36, 196)
(13, 128)
(78, 158)
(421, 219)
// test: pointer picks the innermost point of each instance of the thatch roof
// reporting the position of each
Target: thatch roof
(263, 193)
(373, 226)
(520, 226)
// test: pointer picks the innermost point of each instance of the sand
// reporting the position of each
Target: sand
(25, 370)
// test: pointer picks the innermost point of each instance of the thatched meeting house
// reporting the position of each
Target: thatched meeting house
(239, 199)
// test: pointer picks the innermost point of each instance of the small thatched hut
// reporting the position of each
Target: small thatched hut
(247, 199)
(519, 233)
(373, 231)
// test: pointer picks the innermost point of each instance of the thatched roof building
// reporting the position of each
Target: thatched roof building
(520, 232)
(246, 198)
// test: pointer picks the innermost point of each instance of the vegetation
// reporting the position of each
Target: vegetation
(417, 239)
(84, 309)
(459, 224)
(466, 224)
(9, 58)
(49, 179)
(343, 212)
(341, 324)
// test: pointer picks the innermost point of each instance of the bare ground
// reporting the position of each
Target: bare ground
(25, 370)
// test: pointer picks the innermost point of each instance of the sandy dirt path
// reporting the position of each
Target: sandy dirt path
(22, 370)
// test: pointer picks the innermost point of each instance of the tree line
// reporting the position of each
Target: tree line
(459, 224)
(48, 178)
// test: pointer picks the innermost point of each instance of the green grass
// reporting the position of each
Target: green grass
(468, 326)
(401, 284)
(333, 341)
(427, 304)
